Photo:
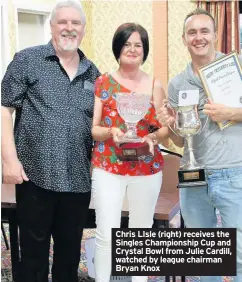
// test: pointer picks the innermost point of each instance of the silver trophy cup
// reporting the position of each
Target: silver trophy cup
(188, 124)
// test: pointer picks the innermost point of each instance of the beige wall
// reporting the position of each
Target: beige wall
(87, 45)
(106, 17)
(160, 41)
(177, 53)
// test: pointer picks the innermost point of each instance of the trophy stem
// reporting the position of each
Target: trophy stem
(131, 134)
(192, 163)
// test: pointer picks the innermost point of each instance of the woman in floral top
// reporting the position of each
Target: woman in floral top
(111, 177)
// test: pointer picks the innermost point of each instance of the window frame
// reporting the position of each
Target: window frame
(36, 9)
(5, 30)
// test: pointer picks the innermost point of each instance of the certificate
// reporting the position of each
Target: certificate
(222, 81)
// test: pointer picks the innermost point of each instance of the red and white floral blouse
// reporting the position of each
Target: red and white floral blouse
(105, 152)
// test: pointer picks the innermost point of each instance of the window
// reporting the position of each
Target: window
(32, 19)
(29, 24)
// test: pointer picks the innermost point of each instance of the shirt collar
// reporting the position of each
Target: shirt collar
(194, 79)
(49, 50)
(84, 62)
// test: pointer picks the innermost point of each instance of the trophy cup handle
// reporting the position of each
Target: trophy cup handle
(167, 105)
(202, 128)
(173, 130)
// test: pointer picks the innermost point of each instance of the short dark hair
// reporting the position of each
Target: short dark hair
(123, 33)
(199, 11)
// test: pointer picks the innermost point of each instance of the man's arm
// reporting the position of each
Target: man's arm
(12, 169)
(14, 86)
(220, 113)
(8, 145)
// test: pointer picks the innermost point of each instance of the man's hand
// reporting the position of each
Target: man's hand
(165, 115)
(218, 112)
(13, 172)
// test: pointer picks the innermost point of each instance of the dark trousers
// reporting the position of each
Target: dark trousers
(42, 213)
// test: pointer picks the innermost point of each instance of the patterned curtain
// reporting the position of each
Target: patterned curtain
(226, 15)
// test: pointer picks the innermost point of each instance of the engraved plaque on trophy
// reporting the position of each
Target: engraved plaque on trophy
(132, 107)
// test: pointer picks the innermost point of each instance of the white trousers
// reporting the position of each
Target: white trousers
(108, 193)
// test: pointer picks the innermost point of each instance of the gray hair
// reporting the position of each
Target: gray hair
(68, 3)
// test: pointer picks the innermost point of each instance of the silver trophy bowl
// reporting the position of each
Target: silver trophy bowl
(132, 107)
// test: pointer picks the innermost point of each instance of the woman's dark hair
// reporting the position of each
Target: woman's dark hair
(123, 33)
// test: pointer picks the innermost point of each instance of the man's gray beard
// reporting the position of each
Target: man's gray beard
(69, 47)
